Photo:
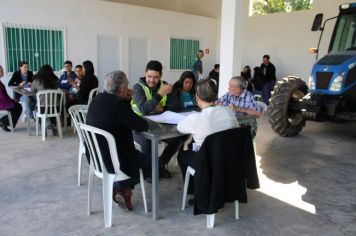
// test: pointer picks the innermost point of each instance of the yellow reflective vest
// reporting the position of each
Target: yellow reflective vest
(149, 97)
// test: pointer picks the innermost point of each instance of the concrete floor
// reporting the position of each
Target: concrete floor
(308, 188)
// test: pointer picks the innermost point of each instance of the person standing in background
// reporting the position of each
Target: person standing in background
(269, 72)
(197, 67)
(215, 74)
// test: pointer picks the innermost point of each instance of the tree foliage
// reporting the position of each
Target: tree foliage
(264, 7)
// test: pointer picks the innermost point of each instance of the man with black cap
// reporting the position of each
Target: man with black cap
(153, 95)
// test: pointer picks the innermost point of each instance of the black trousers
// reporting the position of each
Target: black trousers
(185, 159)
(173, 145)
(144, 163)
(15, 114)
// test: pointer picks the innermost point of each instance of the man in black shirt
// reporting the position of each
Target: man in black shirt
(111, 111)
(215, 73)
(269, 72)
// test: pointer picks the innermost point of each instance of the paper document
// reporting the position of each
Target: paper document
(169, 117)
(28, 89)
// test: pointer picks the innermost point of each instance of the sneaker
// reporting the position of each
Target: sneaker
(127, 196)
(5, 128)
(123, 199)
(164, 173)
(119, 200)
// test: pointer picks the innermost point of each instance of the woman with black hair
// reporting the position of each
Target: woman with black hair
(246, 73)
(184, 89)
(88, 82)
(44, 79)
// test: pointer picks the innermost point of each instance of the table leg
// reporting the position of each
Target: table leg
(64, 113)
(28, 126)
(155, 200)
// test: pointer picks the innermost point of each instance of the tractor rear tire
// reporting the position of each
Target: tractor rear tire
(285, 120)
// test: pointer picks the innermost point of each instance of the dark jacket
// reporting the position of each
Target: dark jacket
(64, 80)
(258, 78)
(114, 114)
(146, 107)
(214, 75)
(16, 78)
(6, 102)
(88, 82)
(269, 72)
(247, 76)
(225, 166)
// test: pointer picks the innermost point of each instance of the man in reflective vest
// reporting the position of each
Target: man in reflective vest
(152, 95)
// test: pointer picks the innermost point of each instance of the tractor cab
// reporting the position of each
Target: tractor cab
(335, 73)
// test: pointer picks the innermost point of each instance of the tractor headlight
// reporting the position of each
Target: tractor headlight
(337, 83)
(311, 83)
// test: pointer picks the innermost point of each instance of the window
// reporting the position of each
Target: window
(183, 53)
(345, 38)
(265, 7)
(37, 45)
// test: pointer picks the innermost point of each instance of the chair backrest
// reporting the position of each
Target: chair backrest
(225, 165)
(257, 97)
(78, 114)
(90, 134)
(263, 108)
(51, 102)
(92, 94)
(3, 113)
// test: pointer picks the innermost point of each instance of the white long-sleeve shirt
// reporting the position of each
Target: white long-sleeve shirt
(210, 120)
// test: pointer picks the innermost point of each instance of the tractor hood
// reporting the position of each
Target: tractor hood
(334, 73)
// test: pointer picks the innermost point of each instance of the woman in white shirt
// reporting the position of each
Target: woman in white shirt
(210, 120)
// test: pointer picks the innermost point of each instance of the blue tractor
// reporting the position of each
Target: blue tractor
(332, 84)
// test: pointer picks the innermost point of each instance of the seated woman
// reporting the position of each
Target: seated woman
(45, 79)
(88, 82)
(184, 89)
(8, 104)
(210, 120)
(246, 74)
(238, 98)
(80, 95)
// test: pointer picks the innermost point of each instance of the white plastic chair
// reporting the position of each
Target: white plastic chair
(257, 97)
(210, 219)
(92, 94)
(52, 107)
(263, 108)
(8, 114)
(78, 114)
(98, 169)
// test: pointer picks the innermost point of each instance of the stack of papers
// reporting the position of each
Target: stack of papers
(169, 117)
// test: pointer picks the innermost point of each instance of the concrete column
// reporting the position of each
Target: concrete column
(233, 16)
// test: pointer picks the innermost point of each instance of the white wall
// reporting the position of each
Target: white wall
(85, 19)
(286, 37)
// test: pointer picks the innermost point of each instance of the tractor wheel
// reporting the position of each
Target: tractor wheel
(285, 117)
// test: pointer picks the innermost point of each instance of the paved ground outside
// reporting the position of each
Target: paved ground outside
(308, 188)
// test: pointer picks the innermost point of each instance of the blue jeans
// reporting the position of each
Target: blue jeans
(30, 104)
(266, 91)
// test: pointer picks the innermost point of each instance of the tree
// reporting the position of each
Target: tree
(298, 5)
(264, 7)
